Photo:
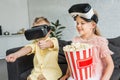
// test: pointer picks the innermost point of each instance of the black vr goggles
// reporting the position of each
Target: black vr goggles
(37, 32)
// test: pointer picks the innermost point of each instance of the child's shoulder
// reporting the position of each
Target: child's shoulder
(101, 39)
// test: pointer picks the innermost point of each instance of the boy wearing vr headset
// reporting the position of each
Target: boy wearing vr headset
(86, 25)
(46, 54)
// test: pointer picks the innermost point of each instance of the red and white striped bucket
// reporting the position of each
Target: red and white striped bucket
(80, 63)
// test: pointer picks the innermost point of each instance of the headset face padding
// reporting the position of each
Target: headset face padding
(37, 32)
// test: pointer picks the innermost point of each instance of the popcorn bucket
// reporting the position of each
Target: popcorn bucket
(80, 63)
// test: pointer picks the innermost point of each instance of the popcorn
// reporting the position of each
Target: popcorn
(80, 60)
(76, 47)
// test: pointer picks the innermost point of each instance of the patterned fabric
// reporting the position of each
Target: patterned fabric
(45, 62)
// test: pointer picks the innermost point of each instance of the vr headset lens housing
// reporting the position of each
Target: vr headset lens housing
(84, 11)
(37, 32)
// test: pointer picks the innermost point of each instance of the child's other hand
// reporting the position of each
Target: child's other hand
(11, 57)
(43, 44)
(64, 77)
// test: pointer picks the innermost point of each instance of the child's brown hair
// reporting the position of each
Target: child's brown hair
(37, 20)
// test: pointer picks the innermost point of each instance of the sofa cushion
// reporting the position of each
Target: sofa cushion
(116, 55)
(62, 43)
(61, 57)
(24, 75)
(116, 74)
(115, 41)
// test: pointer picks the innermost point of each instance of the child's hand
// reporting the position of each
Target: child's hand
(11, 58)
(43, 44)
(64, 77)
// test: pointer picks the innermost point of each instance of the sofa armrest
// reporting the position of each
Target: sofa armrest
(21, 65)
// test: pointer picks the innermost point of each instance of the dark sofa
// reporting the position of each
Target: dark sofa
(22, 67)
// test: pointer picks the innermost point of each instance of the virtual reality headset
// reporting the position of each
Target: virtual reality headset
(84, 10)
(37, 32)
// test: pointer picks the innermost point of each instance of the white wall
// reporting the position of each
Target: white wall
(13, 15)
(58, 9)
(9, 42)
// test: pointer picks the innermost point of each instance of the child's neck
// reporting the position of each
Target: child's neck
(88, 37)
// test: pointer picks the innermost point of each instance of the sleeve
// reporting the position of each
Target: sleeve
(104, 49)
(76, 39)
(55, 43)
(32, 45)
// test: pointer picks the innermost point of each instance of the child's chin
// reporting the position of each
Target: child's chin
(80, 34)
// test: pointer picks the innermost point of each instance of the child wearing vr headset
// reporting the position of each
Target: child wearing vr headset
(86, 25)
(45, 51)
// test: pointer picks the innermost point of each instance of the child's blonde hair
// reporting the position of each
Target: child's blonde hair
(96, 29)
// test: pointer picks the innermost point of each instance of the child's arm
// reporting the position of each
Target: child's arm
(108, 69)
(66, 75)
(23, 51)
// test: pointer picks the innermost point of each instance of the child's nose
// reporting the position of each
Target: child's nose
(79, 26)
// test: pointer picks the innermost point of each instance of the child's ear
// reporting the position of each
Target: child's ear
(93, 24)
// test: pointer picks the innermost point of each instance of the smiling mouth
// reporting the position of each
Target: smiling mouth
(79, 30)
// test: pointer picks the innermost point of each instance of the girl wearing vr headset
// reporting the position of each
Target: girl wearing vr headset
(46, 55)
(86, 25)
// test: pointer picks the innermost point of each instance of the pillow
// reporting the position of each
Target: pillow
(116, 55)
(115, 41)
